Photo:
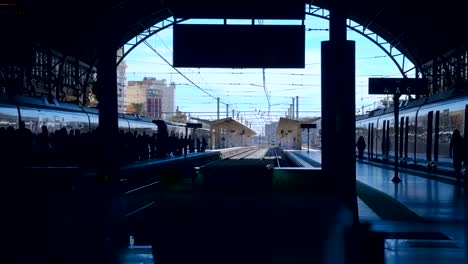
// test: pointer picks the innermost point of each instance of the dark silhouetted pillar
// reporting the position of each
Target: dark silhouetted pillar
(108, 118)
(104, 189)
(338, 110)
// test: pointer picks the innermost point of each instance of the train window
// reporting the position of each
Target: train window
(402, 131)
(444, 128)
(456, 120)
(8, 116)
(465, 128)
(436, 135)
(372, 141)
(421, 128)
(31, 119)
(430, 118)
(406, 136)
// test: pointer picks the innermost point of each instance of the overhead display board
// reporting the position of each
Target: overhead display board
(239, 46)
(397, 86)
(239, 9)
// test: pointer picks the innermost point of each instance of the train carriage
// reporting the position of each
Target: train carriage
(425, 129)
(39, 111)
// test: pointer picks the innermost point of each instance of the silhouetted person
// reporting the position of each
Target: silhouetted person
(198, 144)
(383, 147)
(144, 146)
(24, 139)
(203, 145)
(456, 152)
(361, 146)
(152, 143)
(78, 148)
(162, 139)
(43, 143)
(386, 147)
(191, 145)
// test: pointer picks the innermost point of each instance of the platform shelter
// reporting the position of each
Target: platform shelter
(289, 133)
(227, 132)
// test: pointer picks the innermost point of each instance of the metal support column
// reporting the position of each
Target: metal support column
(338, 110)
(227, 110)
(218, 106)
(435, 75)
(297, 107)
(292, 108)
(210, 138)
(104, 209)
(458, 75)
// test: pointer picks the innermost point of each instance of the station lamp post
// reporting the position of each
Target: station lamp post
(308, 126)
(397, 87)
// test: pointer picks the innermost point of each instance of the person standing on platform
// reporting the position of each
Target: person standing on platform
(203, 145)
(198, 144)
(361, 146)
(456, 152)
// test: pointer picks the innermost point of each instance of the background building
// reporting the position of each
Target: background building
(136, 99)
(151, 97)
(270, 133)
(121, 83)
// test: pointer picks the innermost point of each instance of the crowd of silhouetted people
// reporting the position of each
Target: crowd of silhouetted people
(21, 147)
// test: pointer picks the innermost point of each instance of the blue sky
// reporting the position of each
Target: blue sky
(243, 89)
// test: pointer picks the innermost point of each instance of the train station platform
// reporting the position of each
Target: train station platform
(423, 217)
(53, 210)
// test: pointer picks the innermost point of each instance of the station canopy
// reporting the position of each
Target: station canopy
(233, 126)
(289, 125)
(420, 31)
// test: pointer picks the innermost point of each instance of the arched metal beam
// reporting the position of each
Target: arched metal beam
(145, 34)
(373, 37)
(310, 10)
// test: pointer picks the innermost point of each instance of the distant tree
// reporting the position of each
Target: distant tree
(178, 119)
(139, 108)
(387, 102)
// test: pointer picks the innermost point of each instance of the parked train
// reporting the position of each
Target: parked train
(425, 129)
(39, 111)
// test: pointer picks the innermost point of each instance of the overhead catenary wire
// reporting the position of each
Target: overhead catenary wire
(170, 50)
(201, 89)
(254, 73)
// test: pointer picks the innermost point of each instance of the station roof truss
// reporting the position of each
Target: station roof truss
(421, 31)
(233, 126)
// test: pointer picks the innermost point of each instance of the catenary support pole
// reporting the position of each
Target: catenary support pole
(297, 107)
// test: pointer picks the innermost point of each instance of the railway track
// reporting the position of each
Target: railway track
(256, 153)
